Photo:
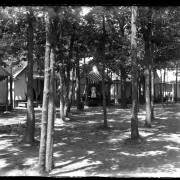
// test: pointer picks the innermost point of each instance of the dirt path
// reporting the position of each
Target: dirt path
(82, 148)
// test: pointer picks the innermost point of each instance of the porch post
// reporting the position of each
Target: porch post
(116, 100)
(173, 91)
(7, 93)
(11, 97)
(86, 90)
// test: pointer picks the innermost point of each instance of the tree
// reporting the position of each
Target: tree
(134, 119)
(122, 16)
(146, 29)
(70, 34)
(103, 69)
(47, 124)
(30, 130)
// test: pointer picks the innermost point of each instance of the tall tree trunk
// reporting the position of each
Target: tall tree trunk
(67, 102)
(176, 83)
(78, 93)
(86, 90)
(164, 83)
(30, 130)
(134, 119)
(86, 81)
(138, 91)
(51, 115)
(70, 96)
(123, 71)
(147, 37)
(103, 69)
(123, 88)
(61, 92)
(153, 68)
(148, 104)
(66, 93)
(152, 93)
(108, 92)
(73, 87)
(47, 123)
(42, 149)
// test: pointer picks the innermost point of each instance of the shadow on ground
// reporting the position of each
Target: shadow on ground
(83, 148)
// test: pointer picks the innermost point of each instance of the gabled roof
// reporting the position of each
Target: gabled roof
(157, 79)
(16, 70)
(3, 74)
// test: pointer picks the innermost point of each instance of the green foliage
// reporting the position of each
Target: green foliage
(85, 32)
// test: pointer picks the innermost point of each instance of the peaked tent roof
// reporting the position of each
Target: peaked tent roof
(95, 77)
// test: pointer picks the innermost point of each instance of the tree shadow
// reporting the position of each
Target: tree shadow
(82, 147)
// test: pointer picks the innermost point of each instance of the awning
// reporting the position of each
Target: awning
(95, 77)
(38, 75)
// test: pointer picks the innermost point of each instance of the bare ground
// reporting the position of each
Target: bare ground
(83, 148)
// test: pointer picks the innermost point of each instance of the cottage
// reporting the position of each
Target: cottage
(168, 84)
(4, 103)
(20, 79)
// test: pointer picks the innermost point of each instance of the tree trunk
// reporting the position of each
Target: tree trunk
(147, 37)
(51, 115)
(68, 75)
(73, 87)
(152, 93)
(164, 83)
(30, 130)
(103, 69)
(61, 92)
(176, 83)
(66, 93)
(86, 90)
(148, 104)
(42, 149)
(123, 88)
(134, 119)
(78, 93)
(147, 85)
(46, 145)
(138, 91)
(70, 96)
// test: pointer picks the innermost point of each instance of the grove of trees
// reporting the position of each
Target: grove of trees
(124, 40)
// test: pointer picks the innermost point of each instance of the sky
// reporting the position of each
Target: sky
(85, 10)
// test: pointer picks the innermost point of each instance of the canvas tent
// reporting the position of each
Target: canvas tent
(93, 87)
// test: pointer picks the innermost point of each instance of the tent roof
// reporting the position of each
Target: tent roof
(96, 77)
